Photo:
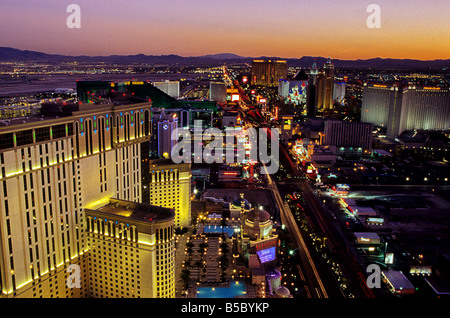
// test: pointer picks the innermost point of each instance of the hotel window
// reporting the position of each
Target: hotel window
(6, 140)
(24, 137)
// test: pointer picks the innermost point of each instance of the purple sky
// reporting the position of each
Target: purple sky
(285, 28)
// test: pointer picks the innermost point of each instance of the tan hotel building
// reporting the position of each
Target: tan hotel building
(131, 250)
(53, 166)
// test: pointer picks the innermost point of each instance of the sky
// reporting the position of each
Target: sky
(415, 29)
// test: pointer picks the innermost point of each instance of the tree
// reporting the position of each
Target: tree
(185, 278)
(224, 247)
(198, 264)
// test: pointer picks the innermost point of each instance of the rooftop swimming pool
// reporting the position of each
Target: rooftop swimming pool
(236, 288)
(218, 229)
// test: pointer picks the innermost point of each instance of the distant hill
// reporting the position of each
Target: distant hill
(8, 54)
(224, 56)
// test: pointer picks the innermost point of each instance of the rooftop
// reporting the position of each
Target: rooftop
(168, 164)
(397, 279)
(136, 211)
(60, 110)
(367, 235)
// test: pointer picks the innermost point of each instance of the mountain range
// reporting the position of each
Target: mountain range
(8, 54)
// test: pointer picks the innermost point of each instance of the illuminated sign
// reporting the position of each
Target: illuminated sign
(381, 86)
(244, 79)
(341, 186)
(232, 91)
(234, 97)
(262, 100)
(389, 258)
(266, 244)
(375, 220)
(267, 255)
(420, 270)
(432, 88)
(234, 173)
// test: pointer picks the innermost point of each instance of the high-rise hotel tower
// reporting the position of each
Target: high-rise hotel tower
(53, 166)
(268, 72)
(400, 108)
(131, 250)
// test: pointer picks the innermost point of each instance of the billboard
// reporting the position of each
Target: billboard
(266, 244)
(267, 255)
(420, 270)
(389, 258)
(235, 97)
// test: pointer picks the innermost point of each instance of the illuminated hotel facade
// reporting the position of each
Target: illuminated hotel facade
(406, 108)
(428, 108)
(170, 187)
(131, 250)
(325, 87)
(348, 137)
(268, 72)
(54, 166)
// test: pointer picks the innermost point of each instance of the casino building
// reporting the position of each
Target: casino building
(54, 168)
(131, 250)
(268, 72)
(258, 243)
(169, 185)
(406, 108)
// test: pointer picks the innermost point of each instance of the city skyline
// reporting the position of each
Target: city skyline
(413, 30)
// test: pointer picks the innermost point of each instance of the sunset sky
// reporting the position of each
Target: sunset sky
(286, 28)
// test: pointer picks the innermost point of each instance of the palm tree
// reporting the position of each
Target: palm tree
(185, 278)
(198, 264)
(223, 223)
(189, 250)
(224, 247)
(224, 262)
(189, 244)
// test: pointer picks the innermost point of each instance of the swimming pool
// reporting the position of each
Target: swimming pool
(236, 288)
(218, 229)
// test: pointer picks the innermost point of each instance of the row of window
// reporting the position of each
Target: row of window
(30, 136)
(112, 229)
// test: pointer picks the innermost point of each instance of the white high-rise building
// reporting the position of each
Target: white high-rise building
(406, 108)
(428, 108)
(218, 92)
(163, 126)
(339, 92)
(171, 88)
(377, 101)
(347, 137)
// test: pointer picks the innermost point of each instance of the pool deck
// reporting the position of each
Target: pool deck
(215, 229)
(250, 290)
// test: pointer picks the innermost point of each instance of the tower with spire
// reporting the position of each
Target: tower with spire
(325, 86)
(311, 92)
